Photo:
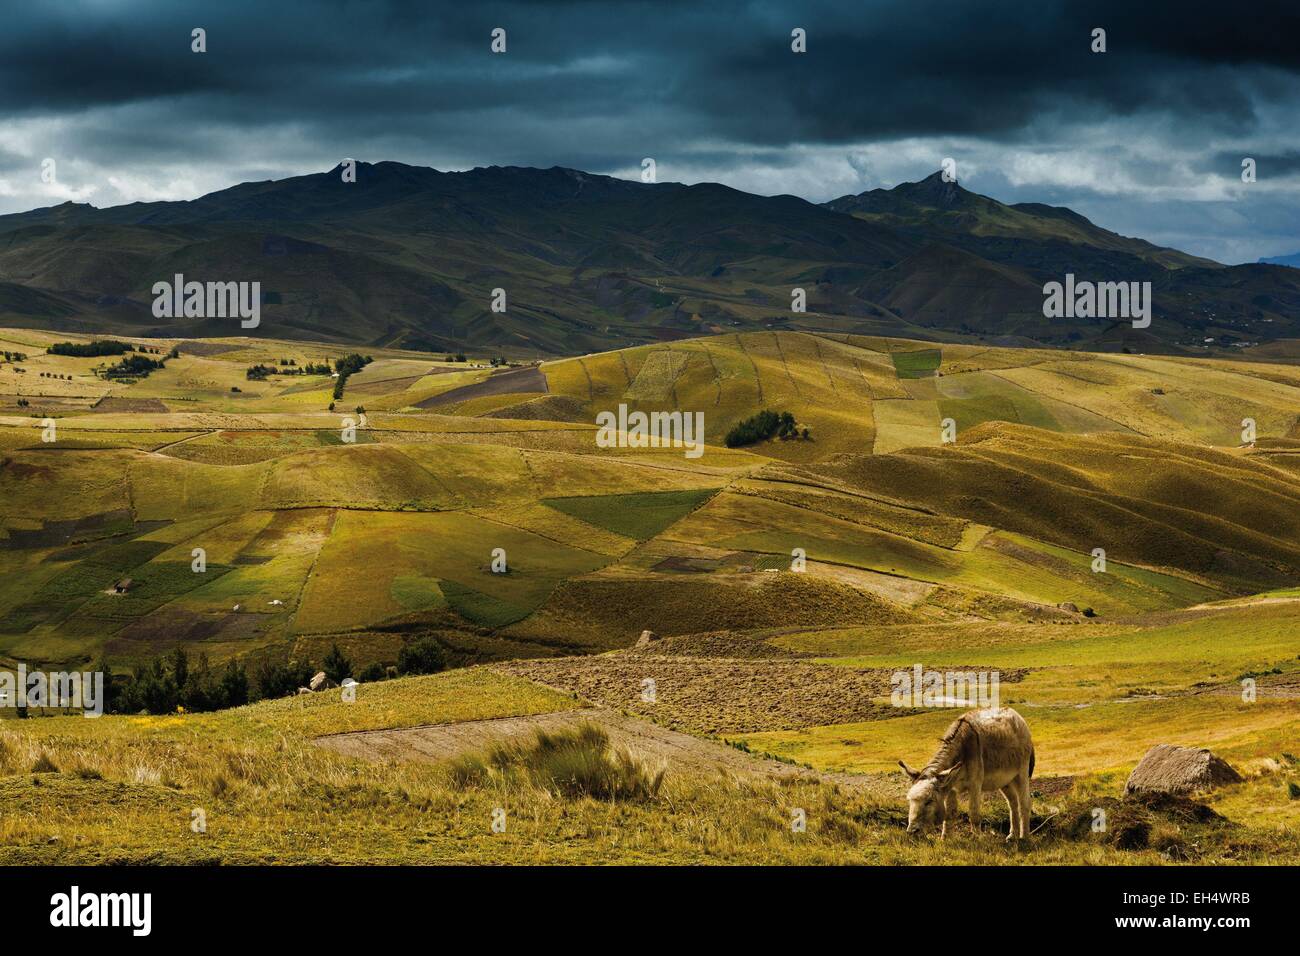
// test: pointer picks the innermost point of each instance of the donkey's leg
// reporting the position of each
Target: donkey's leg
(949, 812)
(1026, 803)
(976, 785)
(1012, 795)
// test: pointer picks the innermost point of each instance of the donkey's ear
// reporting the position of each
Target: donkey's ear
(909, 771)
(945, 777)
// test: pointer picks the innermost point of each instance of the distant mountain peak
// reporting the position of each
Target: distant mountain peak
(935, 190)
(951, 213)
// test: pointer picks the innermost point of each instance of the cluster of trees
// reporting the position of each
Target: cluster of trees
(459, 357)
(763, 426)
(287, 367)
(171, 681)
(274, 679)
(15, 356)
(167, 683)
(56, 375)
(94, 349)
(345, 366)
(134, 366)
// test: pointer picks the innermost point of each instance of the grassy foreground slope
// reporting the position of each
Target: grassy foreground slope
(129, 790)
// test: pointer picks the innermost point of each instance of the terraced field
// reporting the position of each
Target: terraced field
(1100, 532)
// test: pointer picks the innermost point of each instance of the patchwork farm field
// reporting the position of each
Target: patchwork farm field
(1102, 530)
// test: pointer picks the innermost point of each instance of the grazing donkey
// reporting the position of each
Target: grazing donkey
(981, 751)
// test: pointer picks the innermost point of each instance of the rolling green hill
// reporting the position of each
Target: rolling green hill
(1056, 454)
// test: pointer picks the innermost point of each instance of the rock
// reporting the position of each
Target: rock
(1181, 770)
(319, 681)
(646, 637)
(1069, 606)
(303, 690)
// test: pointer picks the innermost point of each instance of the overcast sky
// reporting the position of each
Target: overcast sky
(1146, 139)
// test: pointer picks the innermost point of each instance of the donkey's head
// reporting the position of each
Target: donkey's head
(927, 799)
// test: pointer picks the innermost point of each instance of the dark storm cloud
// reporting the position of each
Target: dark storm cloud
(884, 69)
(598, 85)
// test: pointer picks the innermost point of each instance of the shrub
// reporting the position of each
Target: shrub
(422, 656)
(372, 672)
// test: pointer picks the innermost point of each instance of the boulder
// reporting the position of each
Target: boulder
(1069, 606)
(319, 681)
(646, 638)
(1180, 770)
(303, 690)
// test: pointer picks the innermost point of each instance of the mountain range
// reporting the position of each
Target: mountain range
(1292, 260)
(410, 257)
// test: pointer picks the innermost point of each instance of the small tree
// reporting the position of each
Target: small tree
(180, 667)
(336, 666)
(201, 692)
(234, 685)
(110, 692)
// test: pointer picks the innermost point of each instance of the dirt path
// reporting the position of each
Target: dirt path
(679, 751)
(172, 444)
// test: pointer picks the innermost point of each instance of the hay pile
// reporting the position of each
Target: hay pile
(1180, 770)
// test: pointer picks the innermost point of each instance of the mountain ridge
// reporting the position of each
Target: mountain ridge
(412, 256)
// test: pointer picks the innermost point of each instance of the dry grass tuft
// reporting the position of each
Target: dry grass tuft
(571, 763)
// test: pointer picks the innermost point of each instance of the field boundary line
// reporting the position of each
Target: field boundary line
(822, 359)
(717, 376)
(786, 365)
(758, 381)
